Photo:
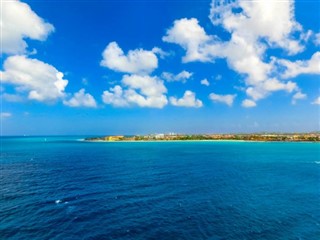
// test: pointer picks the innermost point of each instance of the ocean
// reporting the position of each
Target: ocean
(63, 188)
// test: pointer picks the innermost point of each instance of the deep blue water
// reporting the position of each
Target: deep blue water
(62, 188)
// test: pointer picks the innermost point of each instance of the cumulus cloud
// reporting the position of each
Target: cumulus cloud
(241, 55)
(5, 114)
(115, 96)
(41, 81)
(142, 91)
(135, 61)
(149, 86)
(81, 99)
(250, 36)
(316, 101)
(248, 103)
(263, 89)
(188, 100)
(191, 36)
(272, 20)
(298, 96)
(180, 77)
(293, 69)
(205, 82)
(19, 22)
(227, 99)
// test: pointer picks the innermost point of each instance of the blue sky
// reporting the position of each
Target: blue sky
(137, 67)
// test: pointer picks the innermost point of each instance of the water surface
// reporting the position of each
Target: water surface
(62, 188)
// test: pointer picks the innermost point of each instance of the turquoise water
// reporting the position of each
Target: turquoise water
(62, 188)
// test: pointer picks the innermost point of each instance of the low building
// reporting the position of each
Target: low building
(159, 136)
(113, 138)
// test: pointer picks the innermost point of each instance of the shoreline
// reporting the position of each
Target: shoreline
(211, 140)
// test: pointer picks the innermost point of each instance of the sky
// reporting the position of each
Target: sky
(137, 67)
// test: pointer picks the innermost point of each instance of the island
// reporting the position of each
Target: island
(261, 137)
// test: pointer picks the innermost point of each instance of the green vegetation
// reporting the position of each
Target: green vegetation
(293, 137)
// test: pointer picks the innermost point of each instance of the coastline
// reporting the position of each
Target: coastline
(211, 140)
(173, 137)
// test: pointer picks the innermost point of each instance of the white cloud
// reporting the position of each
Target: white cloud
(248, 103)
(305, 36)
(205, 82)
(316, 101)
(263, 89)
(275, 85)
(149, 86)
(188, 100)
(242, 55)
(162, 54)
(115, 96)
(157, 101)
(317, 39)
(136, 61)
(180, 77)
(5, 114)
(254, 27)
(293, 69)
(81, 99)
(272, 20)
(142, 91)
(191, 36)
(245, 57)
(227, 99)
(40, 80)
(19, 22)
(298, 96)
